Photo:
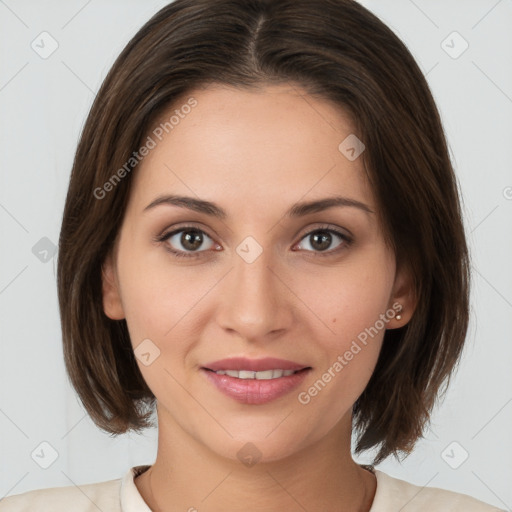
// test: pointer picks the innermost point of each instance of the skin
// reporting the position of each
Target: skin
(254, 153)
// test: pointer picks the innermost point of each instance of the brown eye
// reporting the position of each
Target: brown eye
(187, 241)
(321, 240)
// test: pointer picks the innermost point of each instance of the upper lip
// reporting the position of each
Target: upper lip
(254, 365)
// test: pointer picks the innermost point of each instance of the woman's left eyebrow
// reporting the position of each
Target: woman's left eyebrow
(297, 210)
(307, 207)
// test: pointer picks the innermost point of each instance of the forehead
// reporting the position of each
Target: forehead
(274, 145)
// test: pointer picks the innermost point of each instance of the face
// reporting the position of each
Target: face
(314, 287)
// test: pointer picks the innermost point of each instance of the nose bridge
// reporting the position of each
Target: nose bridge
(254, 302)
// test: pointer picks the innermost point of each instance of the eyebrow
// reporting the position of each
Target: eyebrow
(300, 209)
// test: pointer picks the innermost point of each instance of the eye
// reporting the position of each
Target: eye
(188, 240)
(321, 239)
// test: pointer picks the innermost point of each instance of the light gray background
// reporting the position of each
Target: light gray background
(43, 105)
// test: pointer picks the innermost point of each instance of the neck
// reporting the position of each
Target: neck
(187, 475)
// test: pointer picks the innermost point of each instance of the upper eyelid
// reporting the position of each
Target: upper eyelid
(176, 229)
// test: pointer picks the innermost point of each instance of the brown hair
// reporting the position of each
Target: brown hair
(335, 49)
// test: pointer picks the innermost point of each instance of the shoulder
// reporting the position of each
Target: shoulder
(393, 492)
(84, 498)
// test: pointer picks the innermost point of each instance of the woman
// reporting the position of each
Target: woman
(263, 238)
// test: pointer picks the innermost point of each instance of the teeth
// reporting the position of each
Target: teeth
(264, 375)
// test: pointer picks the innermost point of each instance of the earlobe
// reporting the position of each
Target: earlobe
(112, 305)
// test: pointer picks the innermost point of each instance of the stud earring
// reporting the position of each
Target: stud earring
(399, 316)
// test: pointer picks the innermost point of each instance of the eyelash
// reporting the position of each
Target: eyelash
(181, 254)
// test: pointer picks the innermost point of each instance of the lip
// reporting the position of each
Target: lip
(254, 391)
(254, 365)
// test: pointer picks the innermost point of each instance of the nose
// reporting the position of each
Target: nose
(255, 301)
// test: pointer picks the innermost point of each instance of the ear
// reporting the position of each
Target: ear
(403, 298)
(112, 305)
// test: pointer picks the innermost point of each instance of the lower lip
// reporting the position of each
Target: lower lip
(254, 391)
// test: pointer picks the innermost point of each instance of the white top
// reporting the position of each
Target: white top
(122, 495)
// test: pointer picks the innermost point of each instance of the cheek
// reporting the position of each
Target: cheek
(351, 315)
(158, 295)
(160, 305)
(348, 300)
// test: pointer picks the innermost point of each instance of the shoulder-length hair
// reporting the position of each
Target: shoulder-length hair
(337, 50)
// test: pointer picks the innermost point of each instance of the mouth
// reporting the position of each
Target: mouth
(255, 381)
